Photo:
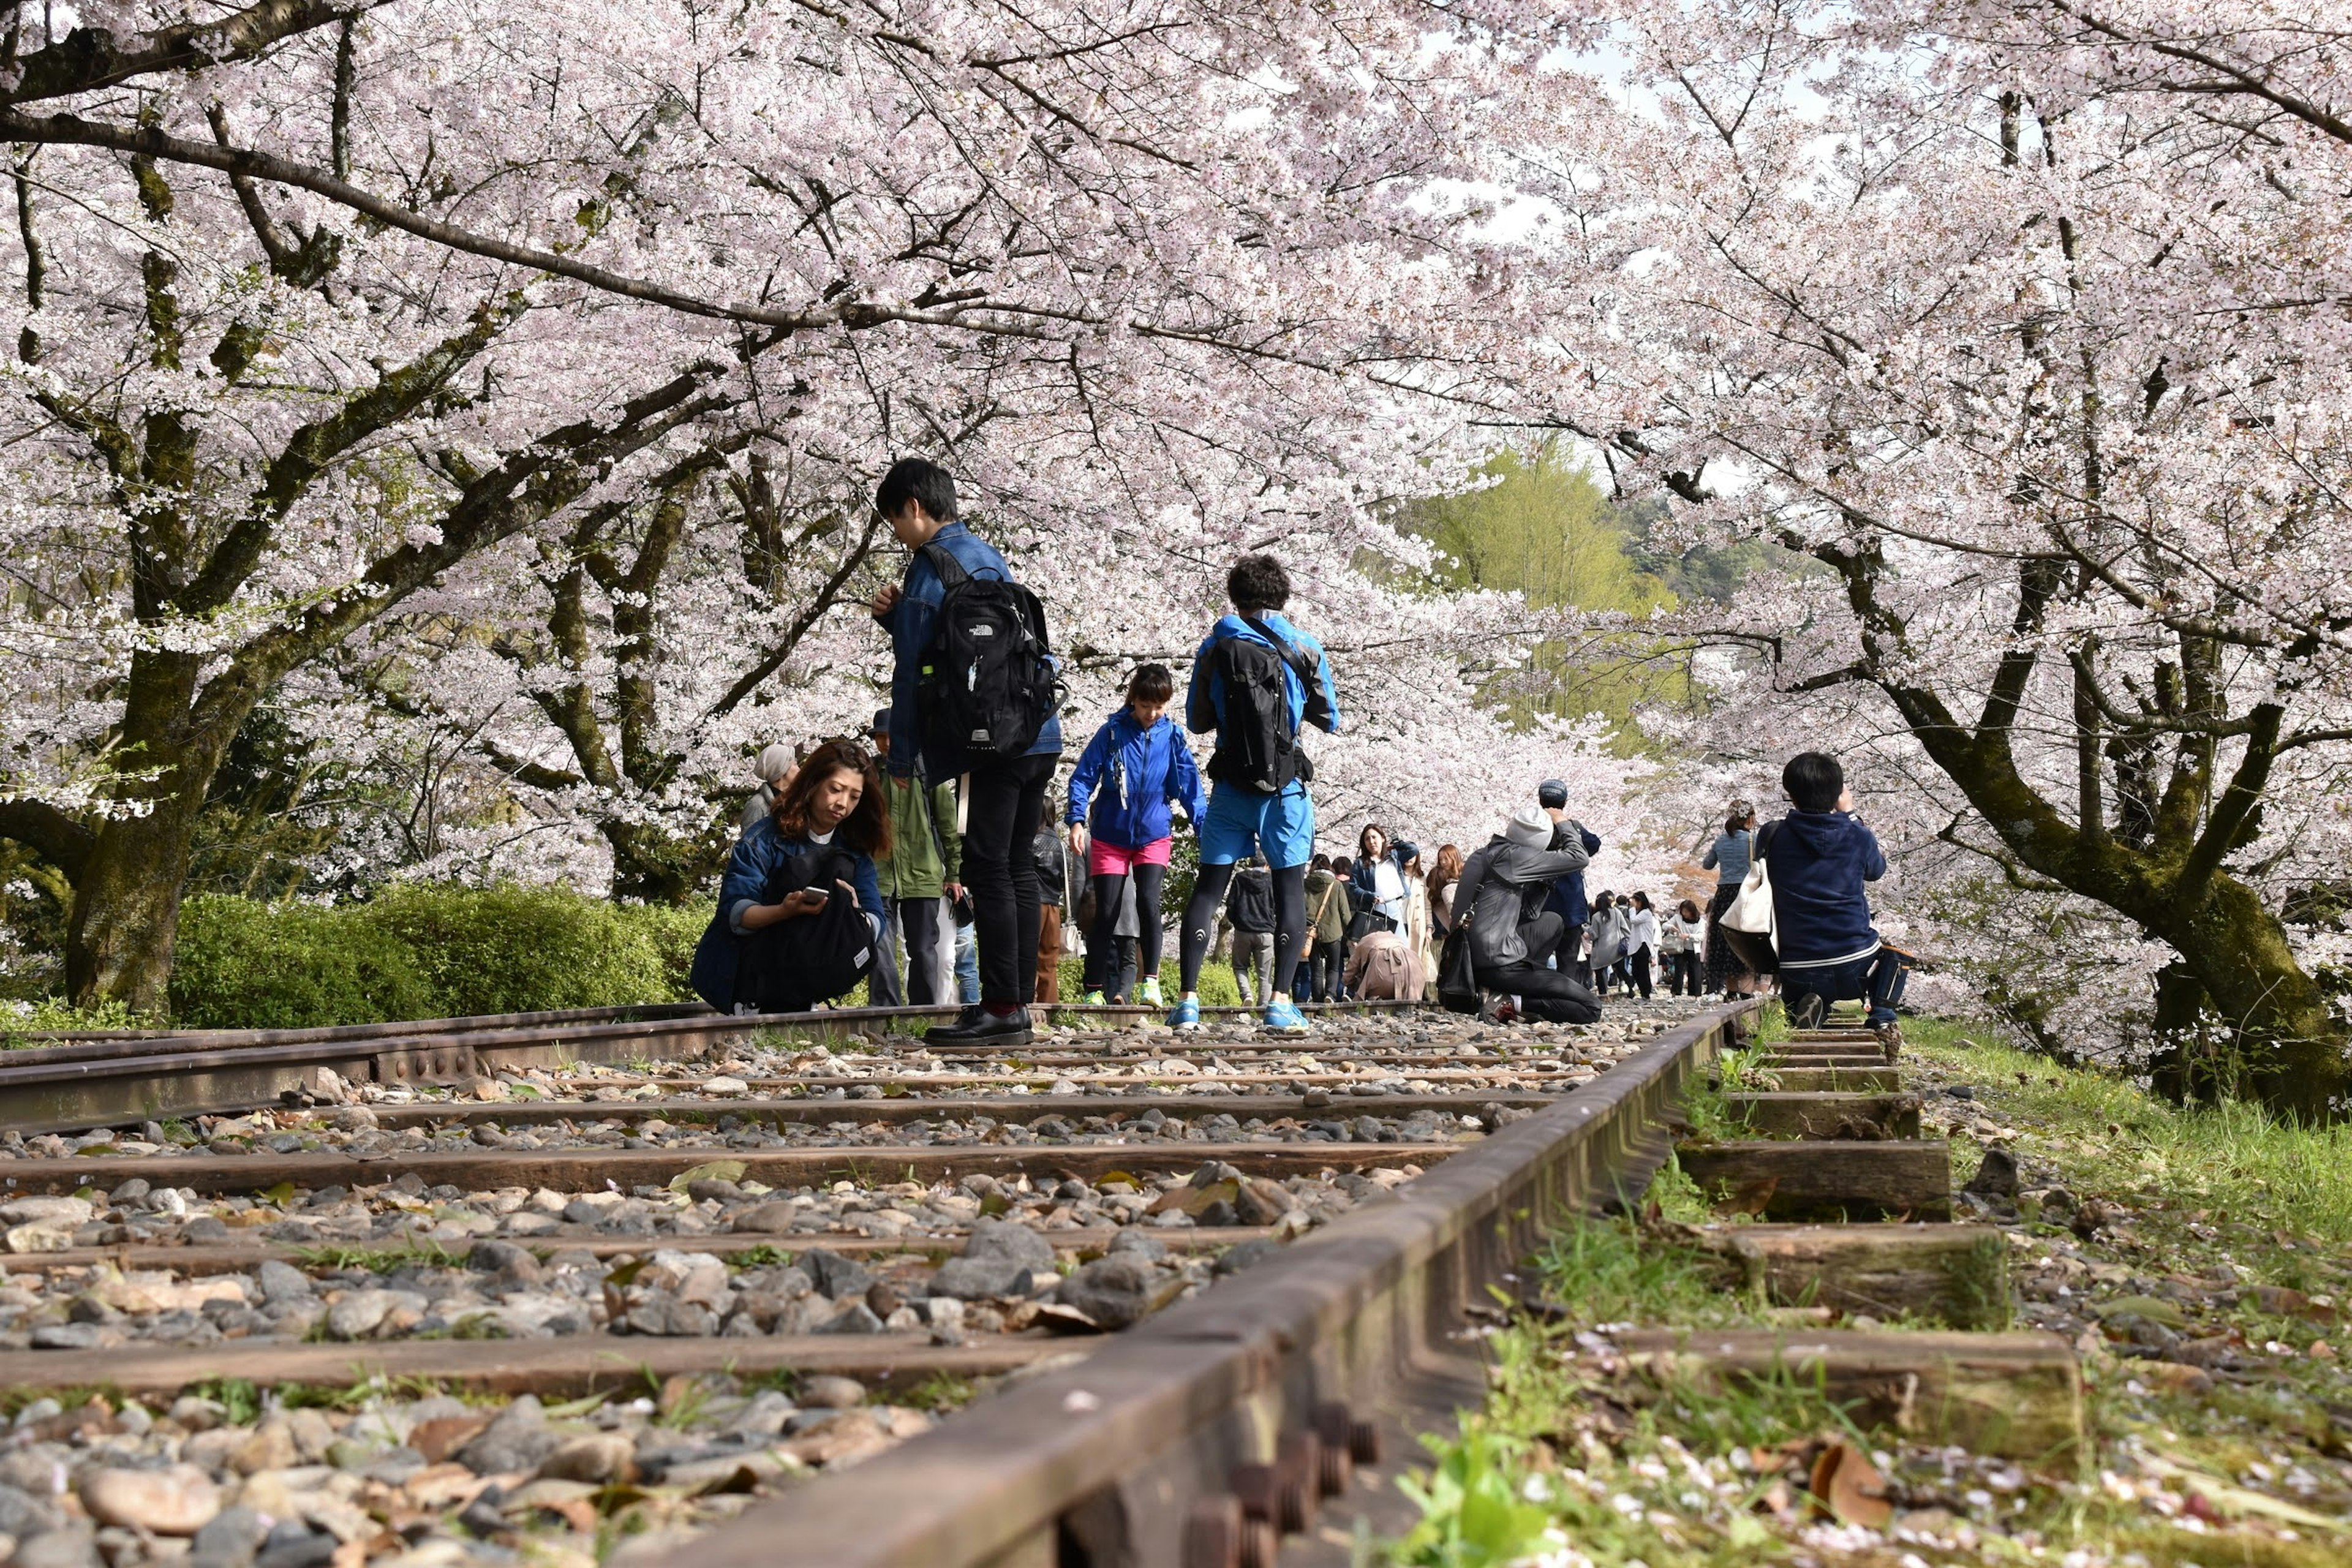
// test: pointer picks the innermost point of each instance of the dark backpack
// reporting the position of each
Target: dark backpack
(1257, 746)
(988, 684)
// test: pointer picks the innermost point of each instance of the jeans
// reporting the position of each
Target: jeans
(1324, 971)
(1253, 959)
(967, 964)
(1877, 980)
(1006, 800)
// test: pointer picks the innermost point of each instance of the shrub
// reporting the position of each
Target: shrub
(423, 951)
(244, 965)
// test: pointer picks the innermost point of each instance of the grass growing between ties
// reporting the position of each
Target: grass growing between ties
(2197, 1258)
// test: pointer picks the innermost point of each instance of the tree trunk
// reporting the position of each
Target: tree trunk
(126, 898)
(2276, 1038)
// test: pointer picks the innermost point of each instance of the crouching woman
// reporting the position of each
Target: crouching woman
(800, 906)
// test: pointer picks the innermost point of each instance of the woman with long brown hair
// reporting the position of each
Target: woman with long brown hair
(1442, 877)
(799, 906)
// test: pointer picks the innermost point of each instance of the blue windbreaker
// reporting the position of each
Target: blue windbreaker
(1127, 777)
(1204, 703)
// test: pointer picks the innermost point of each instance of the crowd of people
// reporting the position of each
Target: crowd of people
(927, 857)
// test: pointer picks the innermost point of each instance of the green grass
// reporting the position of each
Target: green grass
(380, 1259)
(1633, 1471)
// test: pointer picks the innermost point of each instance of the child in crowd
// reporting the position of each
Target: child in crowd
(1134, 769)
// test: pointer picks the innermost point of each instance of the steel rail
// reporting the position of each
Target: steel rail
(116, 1083)
(1141, 1456)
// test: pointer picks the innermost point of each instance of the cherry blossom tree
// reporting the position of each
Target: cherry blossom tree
(2025, 321)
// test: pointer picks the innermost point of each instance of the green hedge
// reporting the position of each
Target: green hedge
(424, 952)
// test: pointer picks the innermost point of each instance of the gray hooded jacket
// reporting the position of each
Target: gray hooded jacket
(1503, 881)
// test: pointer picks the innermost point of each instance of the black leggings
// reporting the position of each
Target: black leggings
(1201, 920)
(1109, 895)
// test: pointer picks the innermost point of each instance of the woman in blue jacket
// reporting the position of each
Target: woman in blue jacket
(1136, 765)
(829, 823)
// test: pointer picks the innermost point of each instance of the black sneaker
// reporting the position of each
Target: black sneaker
(1807, 1012)
(973, 1015)
(1008, 1029)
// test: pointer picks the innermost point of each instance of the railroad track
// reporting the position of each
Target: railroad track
(680, 1262)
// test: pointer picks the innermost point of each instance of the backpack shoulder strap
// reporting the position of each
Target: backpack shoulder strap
(949, 569)
(1302, 663)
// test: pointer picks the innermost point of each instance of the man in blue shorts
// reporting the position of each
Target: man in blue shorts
(1256, 681)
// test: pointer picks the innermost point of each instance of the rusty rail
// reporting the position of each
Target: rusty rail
(120, 1081)
(1193, 1439)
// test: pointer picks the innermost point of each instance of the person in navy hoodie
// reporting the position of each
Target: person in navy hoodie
(1567, 899)
(1818, 858)
(1130, 773)
(1003, 797)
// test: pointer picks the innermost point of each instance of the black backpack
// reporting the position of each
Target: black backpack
(988, 684)
(1257, 748)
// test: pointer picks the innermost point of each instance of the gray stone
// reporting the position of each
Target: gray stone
(765, 1415)
(518, 1441)
(768, 1218)
(1009, 1240)
(980, 1278)
(856, 1318)
(72, 1337)
(1234, 1259)
(362, 1313)
(1114, 1291)
(282, 1282)
(1997, 1177)
(665, 1315)
(230, 1540)
(828, 1392)
(1141, 1242)
(508, 1261)
(23, 1514)
(834, 1274)
(74, 1546)
(294, 1544)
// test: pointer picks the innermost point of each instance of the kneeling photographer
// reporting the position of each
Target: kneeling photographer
(800, 908)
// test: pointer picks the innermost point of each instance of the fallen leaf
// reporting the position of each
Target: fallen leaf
(716, 1170)
(1749, 1198)
(1849, 1488)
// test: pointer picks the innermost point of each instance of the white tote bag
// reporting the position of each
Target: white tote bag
(1751, 913)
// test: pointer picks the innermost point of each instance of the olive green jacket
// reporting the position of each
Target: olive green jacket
(920, 864)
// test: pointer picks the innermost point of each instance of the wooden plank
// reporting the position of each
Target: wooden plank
(1827, 1180)
(1876, 1079)
(1800, 1114)
(582, 1169)
(1957, 1275)
(2014, 1395)
(573, 1365)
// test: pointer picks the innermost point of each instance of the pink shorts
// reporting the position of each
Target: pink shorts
(1112, 860)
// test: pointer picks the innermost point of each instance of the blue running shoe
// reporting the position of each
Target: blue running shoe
(1282, 1017)
(1185, 1015)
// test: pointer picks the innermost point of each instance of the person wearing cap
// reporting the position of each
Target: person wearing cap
(773, 768)
(1504, 889)
(1567, 898)
(924, 864)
